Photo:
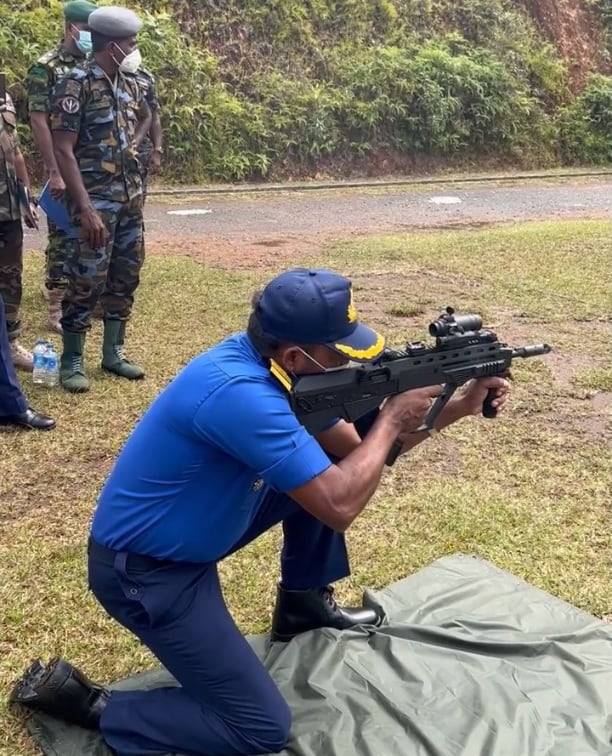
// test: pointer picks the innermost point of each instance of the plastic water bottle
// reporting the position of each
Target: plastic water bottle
(39, 360)
(51, 366)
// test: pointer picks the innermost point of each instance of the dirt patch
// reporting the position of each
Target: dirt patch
(240, 254)
(576, 31)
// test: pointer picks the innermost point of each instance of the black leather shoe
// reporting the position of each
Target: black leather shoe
(61, 690)
(29, 419)
(298, 611)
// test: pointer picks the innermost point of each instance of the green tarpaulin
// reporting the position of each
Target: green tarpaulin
(473, 662)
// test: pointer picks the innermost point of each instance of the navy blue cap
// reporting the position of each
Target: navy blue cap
(315, 306)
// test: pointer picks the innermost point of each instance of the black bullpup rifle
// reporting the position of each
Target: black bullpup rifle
(463, 350)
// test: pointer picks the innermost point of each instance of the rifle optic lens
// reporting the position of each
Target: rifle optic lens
(455, 324)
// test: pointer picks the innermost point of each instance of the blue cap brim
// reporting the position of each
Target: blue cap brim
(362, 345)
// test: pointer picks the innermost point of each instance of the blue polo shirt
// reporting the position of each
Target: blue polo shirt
(190, 478)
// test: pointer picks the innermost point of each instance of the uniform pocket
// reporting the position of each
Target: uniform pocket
(165, 593)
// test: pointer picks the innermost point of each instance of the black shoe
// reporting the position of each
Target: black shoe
(62, 691)
(29, 419)
(298, 611)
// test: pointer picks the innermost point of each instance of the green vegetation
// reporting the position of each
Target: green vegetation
(292, 88)
(529, 491)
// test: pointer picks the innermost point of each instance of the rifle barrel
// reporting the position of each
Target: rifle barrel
(535, 350)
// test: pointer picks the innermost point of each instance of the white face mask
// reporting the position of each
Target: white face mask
(321, 367)
(131, 62)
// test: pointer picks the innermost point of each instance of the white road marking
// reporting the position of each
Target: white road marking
(190, 211)
(445, 200)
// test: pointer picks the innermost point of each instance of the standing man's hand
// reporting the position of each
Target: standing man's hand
(30, 215)
(56, 185)
(155, 161)
(93, 228)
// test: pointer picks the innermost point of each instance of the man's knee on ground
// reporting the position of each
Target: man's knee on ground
(267, 735)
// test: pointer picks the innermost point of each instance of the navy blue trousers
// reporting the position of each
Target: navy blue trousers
(227, 702)
(12, 400)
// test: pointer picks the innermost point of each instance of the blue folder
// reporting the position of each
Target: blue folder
(56, 211)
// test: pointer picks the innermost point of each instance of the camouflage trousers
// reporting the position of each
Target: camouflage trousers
(58, 246)
(110, 274)
(11, 267)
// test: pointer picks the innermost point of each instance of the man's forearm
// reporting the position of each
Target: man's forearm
(351, 483)
(44, 140)
(142, 126)
(155, 131)
(69, 168)
(21, 169)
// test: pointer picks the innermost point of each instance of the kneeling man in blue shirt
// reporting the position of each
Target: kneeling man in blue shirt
(217, 460)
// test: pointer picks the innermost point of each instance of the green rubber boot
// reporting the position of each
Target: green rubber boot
(72, 368)
(113, 360)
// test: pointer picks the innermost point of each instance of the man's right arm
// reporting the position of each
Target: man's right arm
(42, 136)
(64, 143)
(39, 85)
(340, 493)
(67, 103)
(92, 226)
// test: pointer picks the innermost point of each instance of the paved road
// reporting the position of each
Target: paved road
(262, 216)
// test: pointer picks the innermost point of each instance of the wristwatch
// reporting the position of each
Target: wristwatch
(159, 149)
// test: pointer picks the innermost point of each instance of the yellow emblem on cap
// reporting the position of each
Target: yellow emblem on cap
(362, 354)
(351, 313)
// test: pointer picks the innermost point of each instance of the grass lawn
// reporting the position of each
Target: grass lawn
(529, 491)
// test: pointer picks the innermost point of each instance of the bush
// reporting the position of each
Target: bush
(585, 125)
(252, 89)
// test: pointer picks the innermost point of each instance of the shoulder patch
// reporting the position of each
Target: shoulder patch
(72, 88)
(37, 70)
(47, 57)
(70, 105)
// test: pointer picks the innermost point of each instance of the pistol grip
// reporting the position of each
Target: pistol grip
(487, 408)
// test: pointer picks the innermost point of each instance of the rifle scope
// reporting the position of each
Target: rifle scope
(449, 324)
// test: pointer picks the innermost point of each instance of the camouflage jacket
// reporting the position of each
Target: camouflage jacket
(104, 117)
(44, 75)
(146, 82)
(9, 194)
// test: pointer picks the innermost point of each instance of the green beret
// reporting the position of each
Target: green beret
(78, 10)
(115, 22)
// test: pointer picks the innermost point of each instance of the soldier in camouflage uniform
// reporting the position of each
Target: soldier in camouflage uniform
(41, 79)
(150, 149)
(94, 125)
(14, 191)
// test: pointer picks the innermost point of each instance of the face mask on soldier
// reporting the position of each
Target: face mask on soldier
(82, 40)
(130, 63)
